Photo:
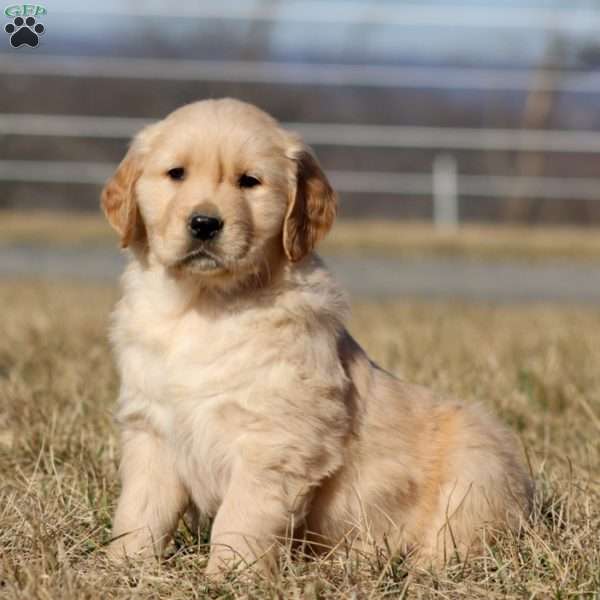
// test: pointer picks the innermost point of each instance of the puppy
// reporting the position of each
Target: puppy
(242, 393)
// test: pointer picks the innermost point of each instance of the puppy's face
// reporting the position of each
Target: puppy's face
(219, 191)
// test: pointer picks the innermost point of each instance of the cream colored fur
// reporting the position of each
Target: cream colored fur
(242, 393)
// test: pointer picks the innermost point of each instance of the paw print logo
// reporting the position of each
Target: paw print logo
(24, 32)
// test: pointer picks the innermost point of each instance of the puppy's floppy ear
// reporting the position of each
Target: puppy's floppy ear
(118, 196)
(312, 207)
(119, 202)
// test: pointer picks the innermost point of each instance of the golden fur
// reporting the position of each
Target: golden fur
(242, 393)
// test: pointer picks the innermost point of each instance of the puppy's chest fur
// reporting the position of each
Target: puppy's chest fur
(214, 385)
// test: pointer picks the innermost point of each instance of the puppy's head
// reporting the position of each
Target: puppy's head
(219, 191)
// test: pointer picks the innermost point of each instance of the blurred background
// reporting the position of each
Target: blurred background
(466, 134)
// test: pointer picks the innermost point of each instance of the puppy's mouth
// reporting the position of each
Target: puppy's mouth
(201, 260)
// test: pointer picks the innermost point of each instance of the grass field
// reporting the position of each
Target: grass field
(378, 237)
(537, 367)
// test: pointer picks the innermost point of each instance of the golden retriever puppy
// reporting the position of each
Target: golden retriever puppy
(242, 393)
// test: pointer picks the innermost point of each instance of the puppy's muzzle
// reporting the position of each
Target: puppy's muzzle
(203, 227)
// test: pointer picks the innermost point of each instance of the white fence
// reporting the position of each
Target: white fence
(444, 183)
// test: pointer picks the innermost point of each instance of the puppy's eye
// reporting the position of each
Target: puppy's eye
(247, 181)
(177, 174)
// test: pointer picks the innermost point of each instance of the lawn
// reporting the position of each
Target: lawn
(537, 367)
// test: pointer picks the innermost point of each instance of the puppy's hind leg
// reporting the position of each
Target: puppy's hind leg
(152, 499)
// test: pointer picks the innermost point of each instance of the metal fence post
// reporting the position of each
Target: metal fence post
(445, 192)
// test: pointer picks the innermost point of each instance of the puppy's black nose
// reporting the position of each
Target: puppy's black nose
(203, 227)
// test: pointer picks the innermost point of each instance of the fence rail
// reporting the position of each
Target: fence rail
(331, 134)
(371, 182)
(285, 73)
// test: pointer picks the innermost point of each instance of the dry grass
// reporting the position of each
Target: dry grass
(472, 241)
(18, 227)
(366, 236)
(537, 367)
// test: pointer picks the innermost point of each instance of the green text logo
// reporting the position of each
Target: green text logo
(24, 10)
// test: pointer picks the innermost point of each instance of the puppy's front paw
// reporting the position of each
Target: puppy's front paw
(223, 561)
(123, 550)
